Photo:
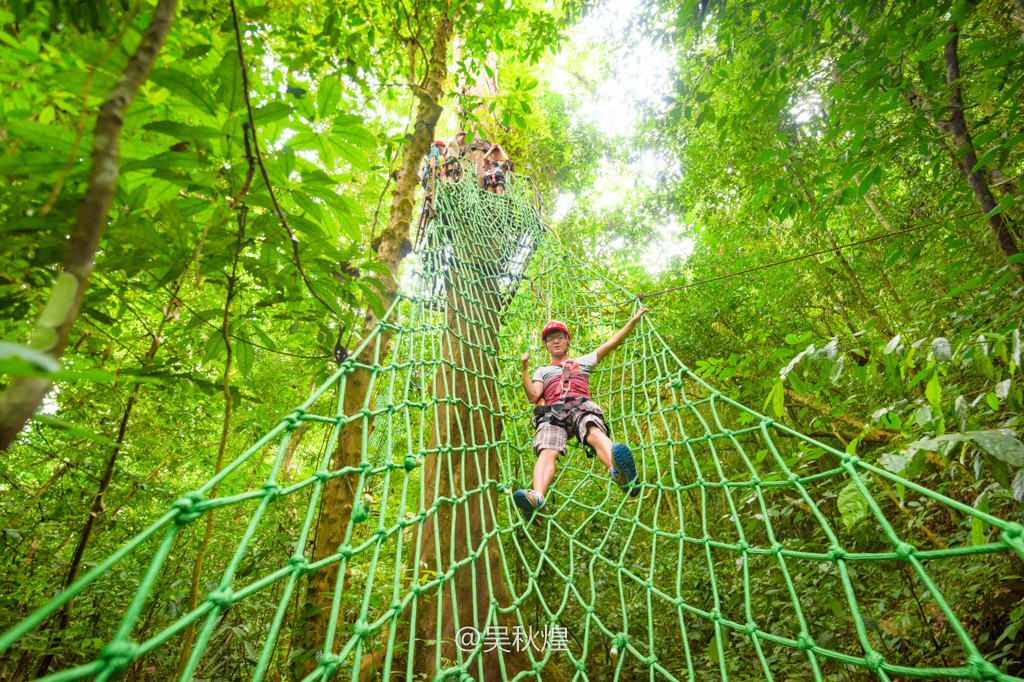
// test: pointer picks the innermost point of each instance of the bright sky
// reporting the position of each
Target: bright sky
(639, 74)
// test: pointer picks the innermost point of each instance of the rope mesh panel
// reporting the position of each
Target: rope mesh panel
(734, 563)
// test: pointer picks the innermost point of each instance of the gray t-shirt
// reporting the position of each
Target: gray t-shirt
(579, 368)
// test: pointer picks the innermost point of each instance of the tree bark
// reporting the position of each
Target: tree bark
(53, 326)
(467, 425)
(338, 494)
(998, 224)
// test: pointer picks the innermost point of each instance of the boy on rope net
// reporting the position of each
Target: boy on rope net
(561, 392)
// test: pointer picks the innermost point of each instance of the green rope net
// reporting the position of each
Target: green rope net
(734, 563)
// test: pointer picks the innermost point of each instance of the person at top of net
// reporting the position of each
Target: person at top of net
(453, 153)
(433, 161)
(495, 165)
(431, 169)
(561, 392)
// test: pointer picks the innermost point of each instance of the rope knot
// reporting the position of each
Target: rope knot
(850, 459)
(793, 478)
(715, 615)
(1014, 537)
(330, 664)
(293, 419)
(410, 462)
(186, 506)
(982, 669)
(776, 548)
(755, 481)
(222, 597)
(271, 491)
(805, 642)
(750, 628)
(362, 629)
(345, 551)
(359, 512)
(619, 642)
(905, 551)
(743, 546)
(118, 654)
(322, 475)
(875, 661)
(676, 383)
(299, 564)
(835, 553)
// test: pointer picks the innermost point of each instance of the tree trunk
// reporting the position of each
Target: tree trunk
(339, 493)
(467, 426)
(998, 224)
(53, 326)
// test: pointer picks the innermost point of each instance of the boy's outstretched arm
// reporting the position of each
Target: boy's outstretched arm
(618, 337)
(533, 388)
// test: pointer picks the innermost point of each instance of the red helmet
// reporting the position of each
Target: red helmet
(553, 326)
(438, 143)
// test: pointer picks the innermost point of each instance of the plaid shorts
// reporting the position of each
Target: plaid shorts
(552, 437)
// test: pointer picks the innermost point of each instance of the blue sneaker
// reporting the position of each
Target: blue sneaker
(529, 503)
(623, 474)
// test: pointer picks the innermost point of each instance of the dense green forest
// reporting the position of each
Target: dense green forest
(210, 214)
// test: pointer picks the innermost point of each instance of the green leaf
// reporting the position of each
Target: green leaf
(1001, 444)
(186, 86)
(993, 400)
(214, 347)
(852, 506)
(969, 284)
(1018, 486)
(26, 354)
(47, 137)
(977, 525)
(941, 350)
(244, 355)
(31, 163)
(932, 46)
(328, 95)
(893, 462)
(893, 344)
(268, 113)
(180, 131)
(61, 425)
(231, 92)
(934, 393)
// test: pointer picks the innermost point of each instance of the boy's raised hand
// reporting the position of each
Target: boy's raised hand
(526, 361)
(640, 313)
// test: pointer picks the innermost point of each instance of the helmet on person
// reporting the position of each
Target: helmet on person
(438, 143)
(555, 326)
(461, 132)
